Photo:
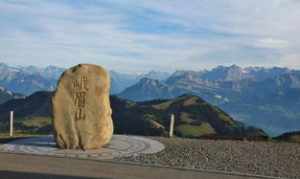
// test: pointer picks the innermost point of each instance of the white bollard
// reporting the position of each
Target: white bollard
(172, 122)
(11, 126)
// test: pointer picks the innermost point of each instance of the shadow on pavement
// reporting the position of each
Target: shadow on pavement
(27, 175)
(4, 140)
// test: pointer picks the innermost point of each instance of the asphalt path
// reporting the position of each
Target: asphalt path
(16, 166)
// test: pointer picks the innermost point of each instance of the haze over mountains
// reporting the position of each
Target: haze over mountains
(268, 98)
(26, 80)
(29, 79)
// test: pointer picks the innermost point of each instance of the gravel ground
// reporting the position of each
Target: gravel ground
(261, 158)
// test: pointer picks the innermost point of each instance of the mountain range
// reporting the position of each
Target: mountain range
(194, 117)
(268, 98)
(29, 79)
(26, 80)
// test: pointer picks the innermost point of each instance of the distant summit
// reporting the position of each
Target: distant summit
(121, 81)
(155, 75)
(147, 89)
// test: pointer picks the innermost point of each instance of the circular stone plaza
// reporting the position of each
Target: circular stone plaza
(120, 146)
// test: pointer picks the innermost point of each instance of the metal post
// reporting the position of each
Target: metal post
(11, 120)
(172, 125)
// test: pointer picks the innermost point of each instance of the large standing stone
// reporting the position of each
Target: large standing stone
(81, 108)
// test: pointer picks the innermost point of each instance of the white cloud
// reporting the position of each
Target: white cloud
(55, 32)
(272, 43)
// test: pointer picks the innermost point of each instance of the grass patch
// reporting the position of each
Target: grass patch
(190, 101)
(28, 126)
(226, 119)
(163, 106)
(37, 122)
(185, 118)
(193, 131)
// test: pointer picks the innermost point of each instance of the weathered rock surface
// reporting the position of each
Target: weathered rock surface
(81, 108)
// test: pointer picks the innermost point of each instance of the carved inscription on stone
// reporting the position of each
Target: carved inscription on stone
(80, 87)
(81, 108)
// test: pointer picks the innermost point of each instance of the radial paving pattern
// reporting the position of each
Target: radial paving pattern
(119, 146)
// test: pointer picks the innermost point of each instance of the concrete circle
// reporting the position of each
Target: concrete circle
(120, 146)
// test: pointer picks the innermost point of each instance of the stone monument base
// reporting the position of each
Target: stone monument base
(120, 146)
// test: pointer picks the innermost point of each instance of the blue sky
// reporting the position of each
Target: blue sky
(138, 36)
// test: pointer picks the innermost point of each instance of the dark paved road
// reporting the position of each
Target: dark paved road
(13, 166)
